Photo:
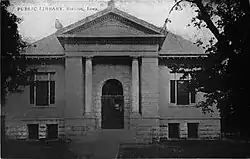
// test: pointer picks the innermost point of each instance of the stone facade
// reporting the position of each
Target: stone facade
(83, 62)
(104, 72)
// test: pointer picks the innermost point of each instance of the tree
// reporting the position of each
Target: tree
(223, 74)
(14, 70)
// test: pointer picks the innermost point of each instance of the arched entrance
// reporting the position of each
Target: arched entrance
(112, 105)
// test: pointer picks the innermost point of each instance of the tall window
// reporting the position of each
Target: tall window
(42, 90)
(179, 93)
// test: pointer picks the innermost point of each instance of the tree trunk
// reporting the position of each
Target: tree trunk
(2, 128)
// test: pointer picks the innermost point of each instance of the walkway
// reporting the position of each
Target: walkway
(104, 147)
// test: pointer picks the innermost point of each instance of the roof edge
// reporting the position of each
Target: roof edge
(107, 11)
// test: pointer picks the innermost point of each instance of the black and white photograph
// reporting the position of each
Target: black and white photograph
(124, 79)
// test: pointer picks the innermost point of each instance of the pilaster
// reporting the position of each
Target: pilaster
(135, 85)
(88, 84)
(74, 87)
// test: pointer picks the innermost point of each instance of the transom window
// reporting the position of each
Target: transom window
(42, 89)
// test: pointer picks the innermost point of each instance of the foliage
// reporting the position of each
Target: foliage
(14, 71)
(223, 74)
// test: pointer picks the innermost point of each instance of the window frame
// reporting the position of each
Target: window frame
(174, 78)
(188, 130)
(48, 137)
(34, 83)
(179, 131)
(29, 132)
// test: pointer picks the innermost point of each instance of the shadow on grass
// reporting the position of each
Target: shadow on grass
(187, 148)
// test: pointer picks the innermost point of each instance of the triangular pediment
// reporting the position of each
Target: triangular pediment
(108, 27)
(111, 22)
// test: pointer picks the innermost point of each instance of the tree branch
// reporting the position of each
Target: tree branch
(206, 18)
(176, 4)
(172, 8)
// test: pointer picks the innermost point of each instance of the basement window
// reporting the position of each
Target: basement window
(192, 130)
(52, 131)
(33, 131)
(174, 130)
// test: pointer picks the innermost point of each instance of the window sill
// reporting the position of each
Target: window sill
(193, 138)
(42, 140)
(174, 139)
(32, 140)
(47, 106)
(175, 105)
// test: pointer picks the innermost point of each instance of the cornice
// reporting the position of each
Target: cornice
(161, 57)
(111, 39)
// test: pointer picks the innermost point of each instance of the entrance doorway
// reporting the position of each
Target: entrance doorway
(112, 105)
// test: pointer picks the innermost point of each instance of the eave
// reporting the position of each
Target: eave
(45, 56)
(182, 56)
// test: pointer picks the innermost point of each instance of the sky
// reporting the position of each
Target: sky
(38, 16)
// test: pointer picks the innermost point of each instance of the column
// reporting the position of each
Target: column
(88, 84)
(135, 85)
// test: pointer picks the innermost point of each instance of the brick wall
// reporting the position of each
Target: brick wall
(147, 124)
(19, 129)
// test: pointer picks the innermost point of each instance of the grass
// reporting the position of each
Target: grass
(172, 149)
(187, 148)
(36, 150)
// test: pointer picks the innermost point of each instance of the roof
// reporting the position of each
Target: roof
(173, 44)
(46, 46)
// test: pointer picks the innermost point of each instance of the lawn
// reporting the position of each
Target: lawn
(187, 148)
(36, 150)
(172, 149)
